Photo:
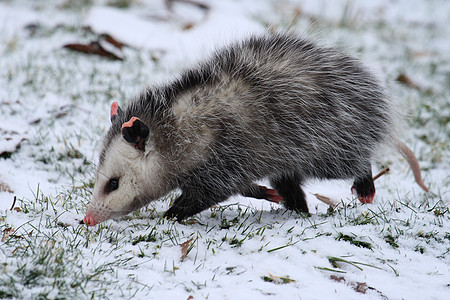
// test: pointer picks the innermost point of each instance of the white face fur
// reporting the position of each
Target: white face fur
(137, 174)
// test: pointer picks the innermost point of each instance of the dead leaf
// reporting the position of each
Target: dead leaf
(5, 188)
(6, 233)
(185, 248)
(337, 278)
(325, 200)
(92, 48)
(361, 287)
(190, 221)
(17, 209)
(190, 298)
(112, 41)
(188, 26)
(403, 78)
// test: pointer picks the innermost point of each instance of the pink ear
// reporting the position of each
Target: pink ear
(135, 132)
(130, 123)
(114, 110)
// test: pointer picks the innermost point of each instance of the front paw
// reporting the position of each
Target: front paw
(175, 213)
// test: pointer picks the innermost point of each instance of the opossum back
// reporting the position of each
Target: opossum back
(303, 101)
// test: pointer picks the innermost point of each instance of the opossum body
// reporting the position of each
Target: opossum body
(276, 106)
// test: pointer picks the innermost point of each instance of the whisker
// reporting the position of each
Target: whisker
(99, 172)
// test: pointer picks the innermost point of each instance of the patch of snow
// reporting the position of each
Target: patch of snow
(226, 21)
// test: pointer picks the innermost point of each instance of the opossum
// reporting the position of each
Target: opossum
(275, 106)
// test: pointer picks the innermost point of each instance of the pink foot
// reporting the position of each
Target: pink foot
(365, 198)
(272, 195)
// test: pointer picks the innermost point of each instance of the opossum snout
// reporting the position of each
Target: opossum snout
(96, 215)
(89, 220)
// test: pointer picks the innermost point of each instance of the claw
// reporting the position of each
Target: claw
(273, 196)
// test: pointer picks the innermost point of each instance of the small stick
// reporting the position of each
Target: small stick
(386, 170)
(326, 200)
(14, 203)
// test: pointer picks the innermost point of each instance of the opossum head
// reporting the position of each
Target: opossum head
(128, 174)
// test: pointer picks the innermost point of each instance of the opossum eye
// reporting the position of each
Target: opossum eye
(113, 184)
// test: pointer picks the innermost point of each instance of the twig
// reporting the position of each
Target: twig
(325, 200)
(386, 170)
(14, 203)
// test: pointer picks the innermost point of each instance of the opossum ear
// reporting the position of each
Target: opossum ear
(115, 110)
(135, 132)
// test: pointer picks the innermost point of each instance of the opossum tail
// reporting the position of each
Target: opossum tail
(412, 161)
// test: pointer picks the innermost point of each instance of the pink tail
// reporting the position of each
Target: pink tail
(413, 163)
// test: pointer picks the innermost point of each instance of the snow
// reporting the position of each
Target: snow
(55, 105)
(226, 21)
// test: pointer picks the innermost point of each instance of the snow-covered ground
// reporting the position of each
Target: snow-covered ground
(54, 108)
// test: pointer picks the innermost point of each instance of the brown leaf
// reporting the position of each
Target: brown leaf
(325, 200)
(6, 233)
(185, 248)
(361, 287)
(188, 26)
(80, 48)
(17, 209)
(5, 188)
(337, 278)
(190, 298)
(403, 78)
(112, 41)
(190, 221)
(92, 48)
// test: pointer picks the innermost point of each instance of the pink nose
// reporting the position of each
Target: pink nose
(89, 220)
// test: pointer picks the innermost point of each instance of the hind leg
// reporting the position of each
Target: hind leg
(288, 186)
(261, 192)
(364, 188)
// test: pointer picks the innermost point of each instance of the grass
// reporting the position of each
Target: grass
(50, 259)
(49, 256)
